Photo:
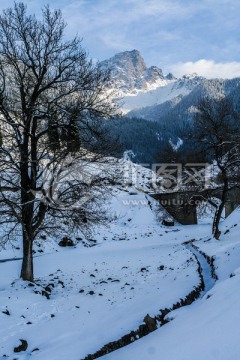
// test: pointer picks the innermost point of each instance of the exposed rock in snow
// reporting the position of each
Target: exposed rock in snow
(130, 74)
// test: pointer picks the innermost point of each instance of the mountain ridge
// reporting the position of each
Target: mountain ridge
(158, 121)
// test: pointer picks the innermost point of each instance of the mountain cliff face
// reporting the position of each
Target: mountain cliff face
(130, 74)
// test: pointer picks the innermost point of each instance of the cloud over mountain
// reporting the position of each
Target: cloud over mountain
(208, 68)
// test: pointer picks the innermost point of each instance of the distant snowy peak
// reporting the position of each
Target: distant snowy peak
(130, 74)
(190, 75)
(141, 86)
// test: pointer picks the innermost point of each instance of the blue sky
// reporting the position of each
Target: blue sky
(181, 36)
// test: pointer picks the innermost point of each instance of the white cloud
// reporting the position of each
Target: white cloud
(208, 69)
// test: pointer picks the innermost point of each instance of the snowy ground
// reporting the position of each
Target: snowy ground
(209, 328)
(99, 294)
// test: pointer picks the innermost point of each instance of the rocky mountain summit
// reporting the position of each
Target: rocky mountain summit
(130, 74)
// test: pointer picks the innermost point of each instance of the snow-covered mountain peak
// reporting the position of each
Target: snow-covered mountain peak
(131, 75)
(141, 86)
(190, 75)
(143, 89)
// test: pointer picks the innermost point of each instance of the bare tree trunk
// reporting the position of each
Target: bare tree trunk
(27, 263)
(215, 229)
(216, 221)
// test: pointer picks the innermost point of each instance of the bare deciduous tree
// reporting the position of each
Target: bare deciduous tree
(52, 102)
(217, 127)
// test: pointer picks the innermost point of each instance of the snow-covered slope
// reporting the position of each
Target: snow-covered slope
(178, 101)
(137, 266)
(174, 89)
(209, 328)
(97, 294)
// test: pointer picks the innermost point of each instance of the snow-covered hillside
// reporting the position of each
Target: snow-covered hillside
(208, 329)
(87, 297)
(170, 90)
(93, 288)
